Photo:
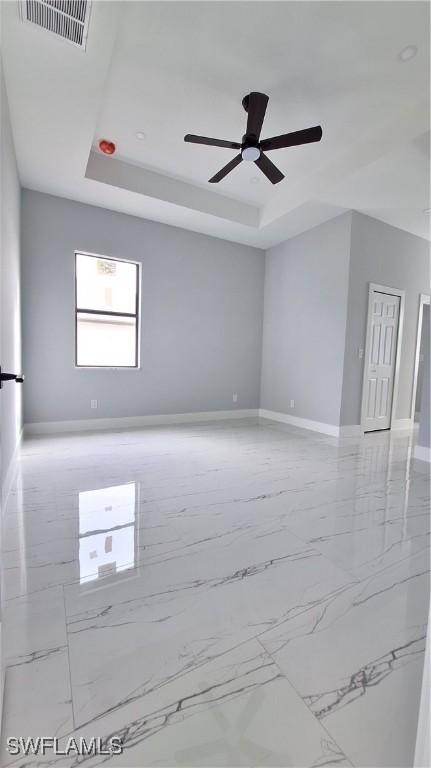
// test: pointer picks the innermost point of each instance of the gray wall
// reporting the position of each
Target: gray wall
(202, 315)
(305, 311)
(425, 415)
(423, 356)
(202, 304)
(388, 256)
(10, 312)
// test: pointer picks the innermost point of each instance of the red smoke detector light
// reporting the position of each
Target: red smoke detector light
(107, 147)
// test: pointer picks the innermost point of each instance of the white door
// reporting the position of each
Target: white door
(380, 366)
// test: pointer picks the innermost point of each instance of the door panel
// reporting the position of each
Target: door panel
(375, 345)
(372, 391)
(380, 372)
(387, 344)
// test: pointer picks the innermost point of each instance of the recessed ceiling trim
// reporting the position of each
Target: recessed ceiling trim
(140, 180)
(107, 94)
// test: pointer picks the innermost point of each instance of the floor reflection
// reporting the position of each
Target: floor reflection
(107, 531)
(257, 576)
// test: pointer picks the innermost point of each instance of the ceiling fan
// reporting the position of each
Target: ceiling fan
(251, 148)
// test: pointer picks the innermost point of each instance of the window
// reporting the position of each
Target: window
(108, 534)
(106, 312)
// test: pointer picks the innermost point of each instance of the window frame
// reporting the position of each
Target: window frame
(135, 315)
(133, 569)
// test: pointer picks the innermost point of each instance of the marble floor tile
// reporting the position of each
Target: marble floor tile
(367, 532)
(234, 710)
(37, 698)
(34, 624)
(237, 710)
(360, 655)
(235, 593)
(179, 613)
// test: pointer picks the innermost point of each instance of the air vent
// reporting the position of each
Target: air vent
(66, 18)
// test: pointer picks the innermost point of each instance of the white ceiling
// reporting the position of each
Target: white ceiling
(170, 68)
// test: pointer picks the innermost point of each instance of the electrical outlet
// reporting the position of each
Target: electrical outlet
(235, 397)
(360, 353)
(93, 403)
(292, 403)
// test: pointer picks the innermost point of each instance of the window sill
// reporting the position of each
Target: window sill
(107, 368)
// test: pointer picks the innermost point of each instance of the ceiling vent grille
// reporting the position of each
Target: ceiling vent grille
(66, 18)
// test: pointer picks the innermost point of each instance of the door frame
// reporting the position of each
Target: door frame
(402, 295)
(424, 299)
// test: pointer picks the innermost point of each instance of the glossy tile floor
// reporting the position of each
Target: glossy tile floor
(218, 595)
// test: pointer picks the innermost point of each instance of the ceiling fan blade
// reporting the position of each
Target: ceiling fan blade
(307, 136)
(227, 169)
(211, 142)
(269, 169)
(257, 103)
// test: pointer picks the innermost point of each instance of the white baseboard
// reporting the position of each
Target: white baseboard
(423, 453)
(127, 422)
(297, 421)
(351, 430)
(402, 424)
(11, 471)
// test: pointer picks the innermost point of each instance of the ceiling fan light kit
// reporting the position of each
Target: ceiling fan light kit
(250, 154)
(251, 149)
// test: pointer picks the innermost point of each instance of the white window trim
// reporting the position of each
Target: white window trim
(121, 368)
